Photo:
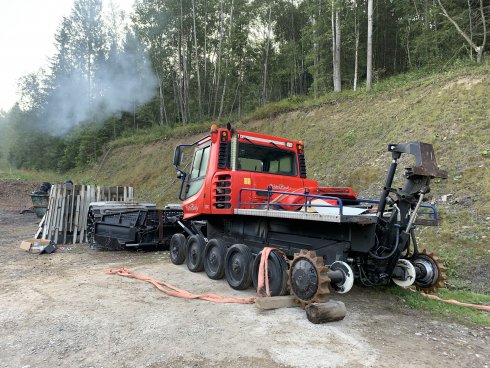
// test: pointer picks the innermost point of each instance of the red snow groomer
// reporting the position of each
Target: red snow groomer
(246, 191)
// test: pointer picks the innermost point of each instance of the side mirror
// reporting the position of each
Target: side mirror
(178, 156)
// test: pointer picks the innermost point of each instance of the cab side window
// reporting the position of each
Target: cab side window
(198, 172)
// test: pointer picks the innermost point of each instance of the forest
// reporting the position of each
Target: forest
(173, 63)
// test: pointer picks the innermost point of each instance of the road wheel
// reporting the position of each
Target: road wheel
(277, 274)
(238, 266)
(194, 254)
(214, 259)
(177, 248)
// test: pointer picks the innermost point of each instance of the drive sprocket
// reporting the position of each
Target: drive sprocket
(308, 279)
(431, 273)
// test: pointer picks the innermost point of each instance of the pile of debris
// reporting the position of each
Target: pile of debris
(65, 216)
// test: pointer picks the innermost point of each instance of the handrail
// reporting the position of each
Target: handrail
(306, 204)
(308, 198)
(432, 208)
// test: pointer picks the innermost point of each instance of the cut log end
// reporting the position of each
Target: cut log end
(330, 311)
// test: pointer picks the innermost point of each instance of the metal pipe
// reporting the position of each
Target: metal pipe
(336, 276)
(389, 181)
(414, 213)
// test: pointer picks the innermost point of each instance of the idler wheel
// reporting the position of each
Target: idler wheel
(344, 283)
(177, 249)
(408, 271)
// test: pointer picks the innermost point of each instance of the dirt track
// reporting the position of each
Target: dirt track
(62, 310)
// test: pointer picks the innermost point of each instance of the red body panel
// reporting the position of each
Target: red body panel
(221, 190)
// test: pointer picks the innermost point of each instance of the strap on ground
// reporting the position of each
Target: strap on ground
(171, 290)
(485, 308)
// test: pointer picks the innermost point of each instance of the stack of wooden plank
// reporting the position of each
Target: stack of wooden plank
(65, 220)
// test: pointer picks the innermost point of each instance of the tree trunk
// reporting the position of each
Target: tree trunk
(337, 84)
(478, 49)
(316, 59)
(294, 71)
(226, 64)
(198, 73)
(484, 23)
(408, 45)
(181, 75)
(369, 62)
(332, 29)
(205, 91)
(163, 111)
(356, 56)
(217, 68)
(266, 60)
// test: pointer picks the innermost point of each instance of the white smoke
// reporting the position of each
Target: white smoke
(121, 83)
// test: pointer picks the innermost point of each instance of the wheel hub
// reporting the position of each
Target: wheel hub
(308, 278)
(430, 272)
(236, 266)
(427, 272)
(174, 250)
(305, 279)
(193, 253)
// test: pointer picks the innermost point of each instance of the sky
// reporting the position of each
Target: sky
(27, 29)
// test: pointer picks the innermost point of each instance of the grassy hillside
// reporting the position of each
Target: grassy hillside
(346, 136)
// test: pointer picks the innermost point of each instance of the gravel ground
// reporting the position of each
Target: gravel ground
(63, 310)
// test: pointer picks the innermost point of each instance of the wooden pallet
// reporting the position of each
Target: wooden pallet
(65, 220)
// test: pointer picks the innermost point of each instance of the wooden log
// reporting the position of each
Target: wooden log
(330, 311)
(77, 216)
(56, 220)
(40, 229)
(72, 209)
(49, 212)
(83, 213)
(275, 302)
(63, 215)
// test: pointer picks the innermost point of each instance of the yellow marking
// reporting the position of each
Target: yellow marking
(247, 181)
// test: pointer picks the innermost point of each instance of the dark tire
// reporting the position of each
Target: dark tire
(278, 274)
(177, 249)
(238, 266)
(194, 254)
(214, 259)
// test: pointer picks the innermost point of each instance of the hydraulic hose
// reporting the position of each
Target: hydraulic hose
(392, 251)
(397, 238)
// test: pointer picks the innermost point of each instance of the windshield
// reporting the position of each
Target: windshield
(272, 160)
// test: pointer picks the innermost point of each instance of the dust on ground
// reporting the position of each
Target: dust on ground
(63, 310)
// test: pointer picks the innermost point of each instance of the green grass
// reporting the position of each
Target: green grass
(160, 133)
(31, 176)
(416, 78)
(437, 308)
